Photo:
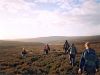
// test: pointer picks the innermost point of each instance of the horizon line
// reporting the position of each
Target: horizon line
(48, 36)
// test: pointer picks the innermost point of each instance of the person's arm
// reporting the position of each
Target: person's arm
(68, 45)
(82, 62)
(97, 64)
(69, 49)
(97, 61)
(49, 48)
(75, 50)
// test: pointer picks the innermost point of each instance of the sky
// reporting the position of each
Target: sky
(41, 18)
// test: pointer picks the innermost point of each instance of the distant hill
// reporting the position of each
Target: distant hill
(17, 43)
(61, 39)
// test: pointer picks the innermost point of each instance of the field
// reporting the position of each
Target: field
(37, 63)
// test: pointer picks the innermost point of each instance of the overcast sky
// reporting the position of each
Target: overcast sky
(39, 18)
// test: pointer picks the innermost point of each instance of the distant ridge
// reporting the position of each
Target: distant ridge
(17, 43)
(58, 39)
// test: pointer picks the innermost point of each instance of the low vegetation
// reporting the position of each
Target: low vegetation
(37, 63)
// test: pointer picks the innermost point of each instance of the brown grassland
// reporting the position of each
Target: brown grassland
(37, 63)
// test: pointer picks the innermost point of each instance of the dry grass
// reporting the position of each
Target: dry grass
(36, 63)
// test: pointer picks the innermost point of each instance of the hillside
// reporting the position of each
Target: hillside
(61, 39)
(37, 63)
(18, 43)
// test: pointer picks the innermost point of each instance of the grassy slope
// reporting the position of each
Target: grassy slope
(53, 64)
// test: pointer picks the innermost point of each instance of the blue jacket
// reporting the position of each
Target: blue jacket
(82, 61)
(74, 50)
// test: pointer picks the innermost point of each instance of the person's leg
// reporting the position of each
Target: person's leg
(84, 73)
(90, 71)
(74, 60)
(90, 74)
(24, 56)
(65, 51)
(46, 51)
(21, 56)
(69, 58)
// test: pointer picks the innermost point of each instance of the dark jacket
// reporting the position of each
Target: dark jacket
(66, 45)
(72, 50)
(83, 65)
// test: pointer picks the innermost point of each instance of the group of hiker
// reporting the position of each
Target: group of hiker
(89, 62)
(24, 52)
(71, 50)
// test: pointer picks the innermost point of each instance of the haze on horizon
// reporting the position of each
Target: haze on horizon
(41, 18)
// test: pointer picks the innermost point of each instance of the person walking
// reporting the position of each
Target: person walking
(72, 54)
(46, 49)
(66, 46)
(89, 63)
(24, 53)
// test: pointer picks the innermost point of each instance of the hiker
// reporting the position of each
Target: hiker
(24, 53)
(89, 63)
(46, 49)
(66, 46)
(31, 52)
(72, 54)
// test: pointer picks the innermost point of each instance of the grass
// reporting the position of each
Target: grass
(37, 63)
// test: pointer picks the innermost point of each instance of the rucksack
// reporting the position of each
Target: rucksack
(66, 46)
(72, 50)
(24, 52)
(90, 58)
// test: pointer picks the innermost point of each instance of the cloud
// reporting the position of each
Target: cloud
(90, 14)
(33, 18)
(16, 7)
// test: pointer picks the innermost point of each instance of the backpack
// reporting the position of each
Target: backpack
(24, 52)
(66, 46)
(90, 58)
(72, 50)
